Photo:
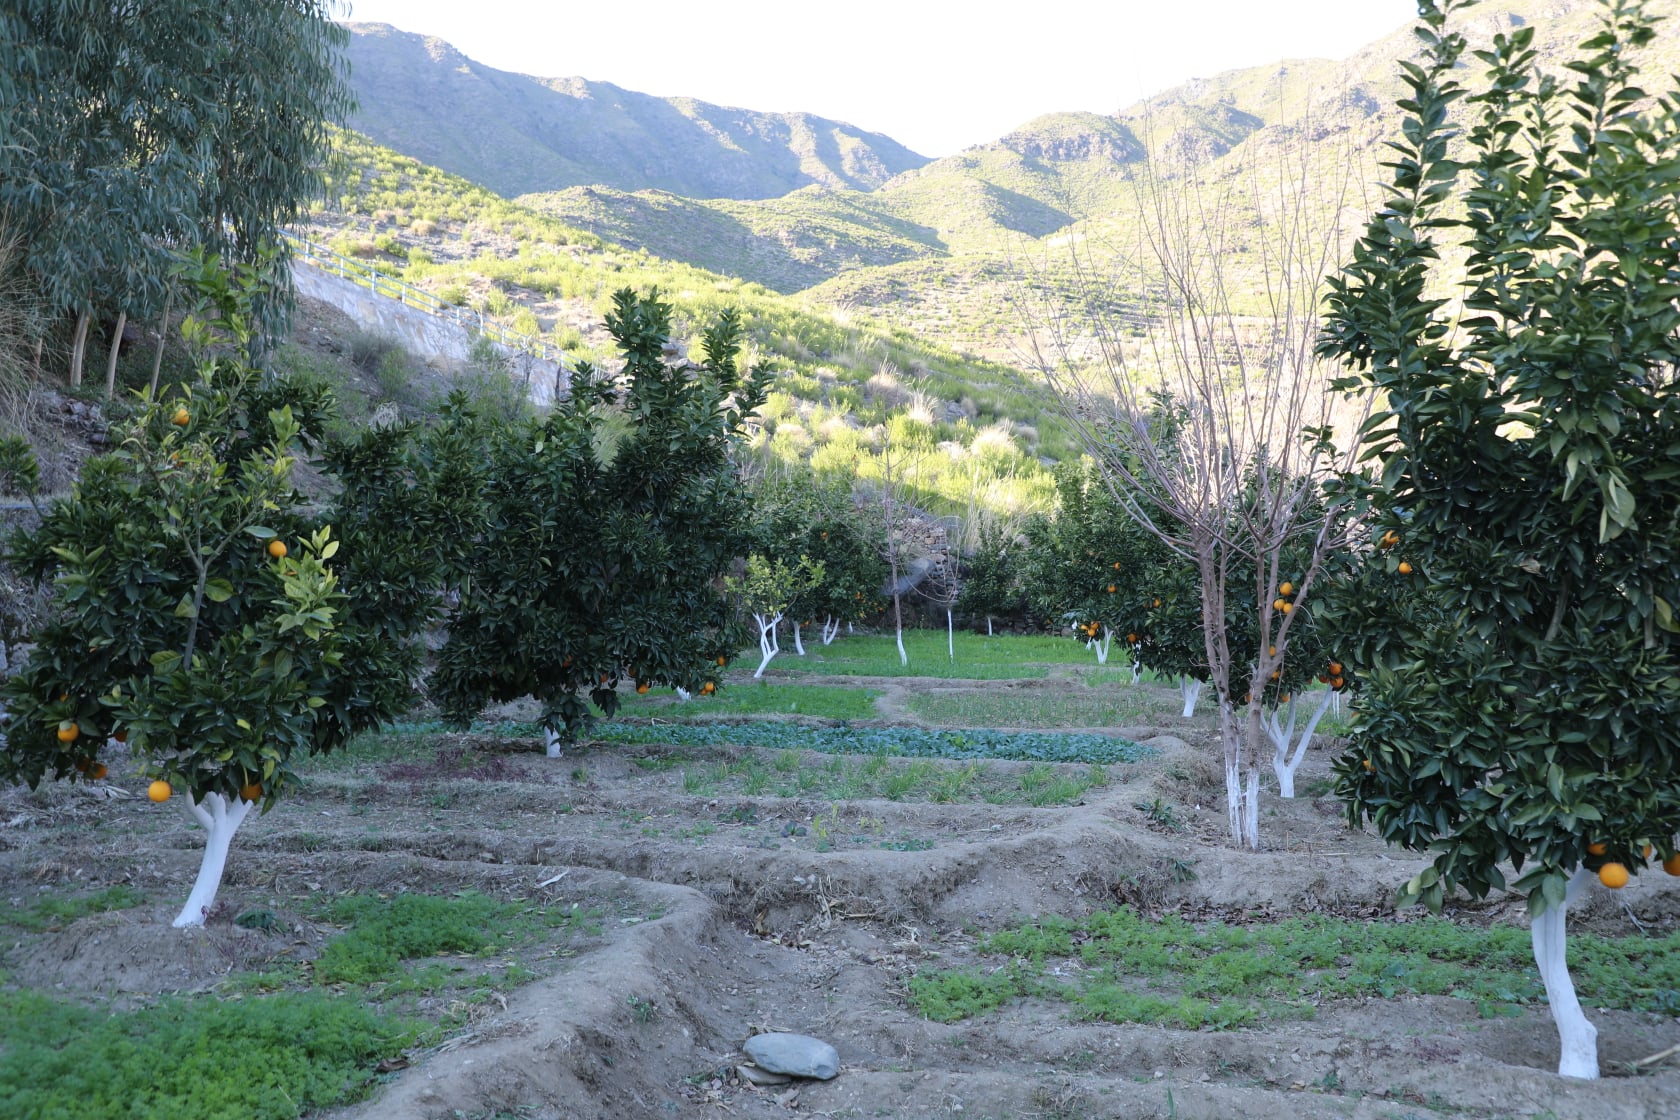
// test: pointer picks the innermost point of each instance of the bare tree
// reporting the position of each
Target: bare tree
(1219, 412)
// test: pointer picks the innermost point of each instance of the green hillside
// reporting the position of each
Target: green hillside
(517, 134)
(848, 381)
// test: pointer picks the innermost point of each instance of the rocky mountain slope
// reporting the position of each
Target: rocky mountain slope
(516, 134)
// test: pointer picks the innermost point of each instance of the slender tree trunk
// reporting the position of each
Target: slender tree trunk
(551, 742)
(1284, 761)
(78, 348)
(1190, 689)
(1577, 1037)
(950, 635)
(220, 820)
(767, 643)
(116, 349)
(898, 628)
(830, 630)
(989, 626)
(798, 638)
(163, 339)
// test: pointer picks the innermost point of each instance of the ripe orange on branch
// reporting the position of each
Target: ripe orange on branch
(277, 548)
(68, 731)
(1613, 875)
(181, 418)
(159, 791)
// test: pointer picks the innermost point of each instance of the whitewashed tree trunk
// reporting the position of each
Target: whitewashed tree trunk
(684, 694)
(1242, 781)
(950, 636)
(1103, 646)
(1137, 670)
(111, 362)
(1284, 760)
(1188, 687)
(989, 626)
(551, 742)
(830, 630)
(798, 638)
(220, 820)
(1577, 1037)
(768, 644)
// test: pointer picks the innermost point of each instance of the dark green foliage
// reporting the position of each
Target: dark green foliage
(1168, 970)
(909, 742)
(605, 534)
(56, 913)
(132, 129)
(274, 1058)
(795, 514)
(384, 932)
(1521, 687)
(992, 584)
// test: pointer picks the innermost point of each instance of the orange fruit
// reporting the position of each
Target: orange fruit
(1131, 637)
(1369, 769)
(1646, 850)
(120, 736)
(1672, 864)
(68, 731)
(1613, 875)
(1404, 569)
(1156, 603)
(1287, 588)
(1117, 565)
(1271, 651)
(1277, 604)
(641, 690)
(708, 688)
(159, 791)
(1287, 607)
(1337, 683)
(277, 548)
(1111, 588)
(725, 660)
(825, 534)
(97, 771)
(181, 418)
(1274, 674)
(1597, 848)
(251, 791)
(1335, 668)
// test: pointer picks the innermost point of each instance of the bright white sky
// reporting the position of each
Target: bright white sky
(935, 75)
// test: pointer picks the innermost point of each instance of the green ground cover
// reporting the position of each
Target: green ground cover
(909, 742)
(1126, 968)
(760, 698)
(979, 658)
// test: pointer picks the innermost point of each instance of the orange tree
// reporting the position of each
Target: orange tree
(200, 621)
(794, 515)
(1525, 482)
(608, 528)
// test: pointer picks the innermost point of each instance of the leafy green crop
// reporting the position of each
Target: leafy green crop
(260, 1059)
(1168, 970)
(384, 933)
(55, 913)
(909, 742)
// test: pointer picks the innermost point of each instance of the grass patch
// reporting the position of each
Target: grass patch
(881, 777)
(385, 934)
(979, 658)
(274, 1058)
(910, 742)
(1139, 970)
(56, 913)
(1065, 707)
(761, 698)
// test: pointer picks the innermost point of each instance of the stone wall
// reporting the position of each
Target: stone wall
(440, 343)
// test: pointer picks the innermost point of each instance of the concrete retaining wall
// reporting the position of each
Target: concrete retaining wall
(439, 343)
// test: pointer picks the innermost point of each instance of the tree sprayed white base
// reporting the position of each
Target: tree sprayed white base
(221, 819)
(1577, 1037)
(798, 639)
(950, 635)
(768, 645)
(1188, 687)
(1242, 803)
(1285, 761)
(551, 742)
(830, 630)
(1102, 647)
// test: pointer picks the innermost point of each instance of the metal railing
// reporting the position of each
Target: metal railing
(365, 275)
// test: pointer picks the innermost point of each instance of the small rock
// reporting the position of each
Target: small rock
(761, 1076)
(795, 1054)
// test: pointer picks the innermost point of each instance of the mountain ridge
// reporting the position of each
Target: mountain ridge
(516, 134)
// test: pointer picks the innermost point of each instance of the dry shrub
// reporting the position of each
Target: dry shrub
(422, 227)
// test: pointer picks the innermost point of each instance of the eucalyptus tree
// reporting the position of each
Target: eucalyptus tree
(1518, 654)
(131, 131)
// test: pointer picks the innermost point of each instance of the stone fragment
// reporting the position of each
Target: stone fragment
(797, 1055)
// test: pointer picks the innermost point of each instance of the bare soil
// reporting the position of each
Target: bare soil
(727, 914)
